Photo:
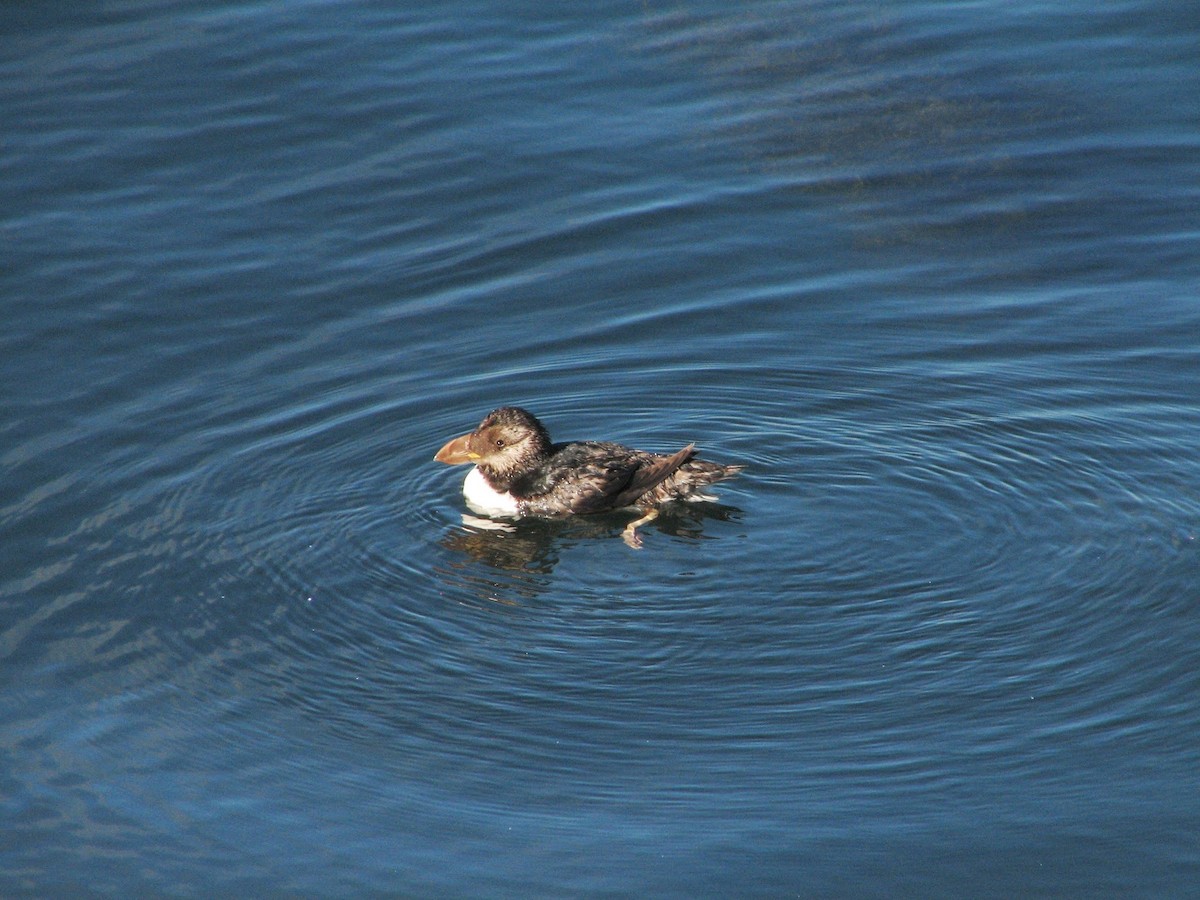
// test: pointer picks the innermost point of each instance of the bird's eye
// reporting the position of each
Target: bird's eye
(499, 443)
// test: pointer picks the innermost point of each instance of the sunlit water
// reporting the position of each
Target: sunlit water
(930, 271)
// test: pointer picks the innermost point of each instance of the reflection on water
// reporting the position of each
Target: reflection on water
(531, 548)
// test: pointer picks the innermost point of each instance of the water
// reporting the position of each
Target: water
(929, 270)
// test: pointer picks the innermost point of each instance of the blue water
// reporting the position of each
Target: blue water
(930, 270)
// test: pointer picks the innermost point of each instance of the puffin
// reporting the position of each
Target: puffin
(519, 472)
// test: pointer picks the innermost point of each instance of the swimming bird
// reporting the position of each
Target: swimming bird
(520, 472)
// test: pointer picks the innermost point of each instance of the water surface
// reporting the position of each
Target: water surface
(929, 270)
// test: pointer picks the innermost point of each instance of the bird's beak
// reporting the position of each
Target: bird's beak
(457, 452)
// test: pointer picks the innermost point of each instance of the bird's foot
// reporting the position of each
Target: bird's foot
(630, 536)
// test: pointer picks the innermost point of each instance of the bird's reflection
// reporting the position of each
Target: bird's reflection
(532, 547)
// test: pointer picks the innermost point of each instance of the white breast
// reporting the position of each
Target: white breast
(486, 500)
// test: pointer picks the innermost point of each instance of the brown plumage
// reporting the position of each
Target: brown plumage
(520, 472)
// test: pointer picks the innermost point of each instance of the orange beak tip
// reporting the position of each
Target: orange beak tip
(455, 452)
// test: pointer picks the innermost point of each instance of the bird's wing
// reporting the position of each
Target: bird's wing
(630, 482)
